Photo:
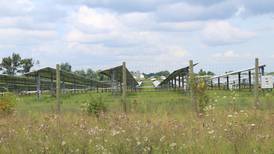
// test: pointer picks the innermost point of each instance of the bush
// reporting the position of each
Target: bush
(95, 105)
(7, 103)
(201, 95)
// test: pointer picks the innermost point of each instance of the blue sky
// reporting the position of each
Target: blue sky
(150, 35)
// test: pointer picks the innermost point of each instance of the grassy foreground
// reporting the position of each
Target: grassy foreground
(158, 122)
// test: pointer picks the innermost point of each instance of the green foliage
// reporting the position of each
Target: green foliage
(204, 73)
(200, 94)
(7, 103)
(26, 65)
(15, 64)
(158, 74)
(66, 67)
(94, 105)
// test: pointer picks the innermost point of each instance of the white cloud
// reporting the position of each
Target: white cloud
(227, 54)
(21, 36)
(241, 10)
(183, 11)
(223, 33)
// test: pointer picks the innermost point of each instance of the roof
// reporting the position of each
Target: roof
(236, 72)
(118, 73)
(50, 73)
(181, 71)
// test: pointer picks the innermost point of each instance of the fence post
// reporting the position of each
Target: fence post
(58, 88)
(256, 84)
(191, 85)
(38, 85)
(124, 87)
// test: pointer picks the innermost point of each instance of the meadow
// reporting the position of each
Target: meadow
(156, 122)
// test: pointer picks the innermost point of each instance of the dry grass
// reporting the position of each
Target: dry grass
(220, 130)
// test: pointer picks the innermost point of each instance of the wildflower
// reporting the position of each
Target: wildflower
(138, 143)
(162, 138)
(63, 143)
(172, 145)
(145, 139)
(211, 132)
(114, 132)
(253, 125)
(230, 116)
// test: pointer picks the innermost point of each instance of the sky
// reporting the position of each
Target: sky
(150, 35)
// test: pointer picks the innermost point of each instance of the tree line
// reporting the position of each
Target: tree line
(15, 64)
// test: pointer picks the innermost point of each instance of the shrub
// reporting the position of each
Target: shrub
(7, 103)
(201, 96)
(95, 105)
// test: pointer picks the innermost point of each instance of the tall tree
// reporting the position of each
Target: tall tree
(11, 65)
(26, 65)
(66, 67)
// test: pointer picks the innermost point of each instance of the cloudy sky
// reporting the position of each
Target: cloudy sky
(150, 35)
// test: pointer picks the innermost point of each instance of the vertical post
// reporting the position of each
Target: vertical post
(239, 80)
(249, 80)
(227, 82)
(179, 81)
(38, 85)
(51, 84)
(175, 82)
(262, 69)
(256, 84)
(113, 82)
(124, 86)
(191, 85)
(183, 82)
(219, 83)
(58, 88)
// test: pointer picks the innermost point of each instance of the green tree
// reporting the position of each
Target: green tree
(26, 65)
(15, 64)
(91, 74)
(204, 73)
(66, 67)
(80, 72)
(10, 65)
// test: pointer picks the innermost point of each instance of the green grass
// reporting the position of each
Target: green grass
(156, 122)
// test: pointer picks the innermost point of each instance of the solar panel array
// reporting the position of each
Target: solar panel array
(46, 80)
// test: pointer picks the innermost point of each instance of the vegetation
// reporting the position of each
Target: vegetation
(88, 73)
(15, 64)
(7, 103)
(204, 73)
(157, 122)
(95, 105)
(157, 74)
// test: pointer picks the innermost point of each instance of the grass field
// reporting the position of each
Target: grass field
(157, 122)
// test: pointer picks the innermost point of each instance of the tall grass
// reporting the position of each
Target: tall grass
(158, 122)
